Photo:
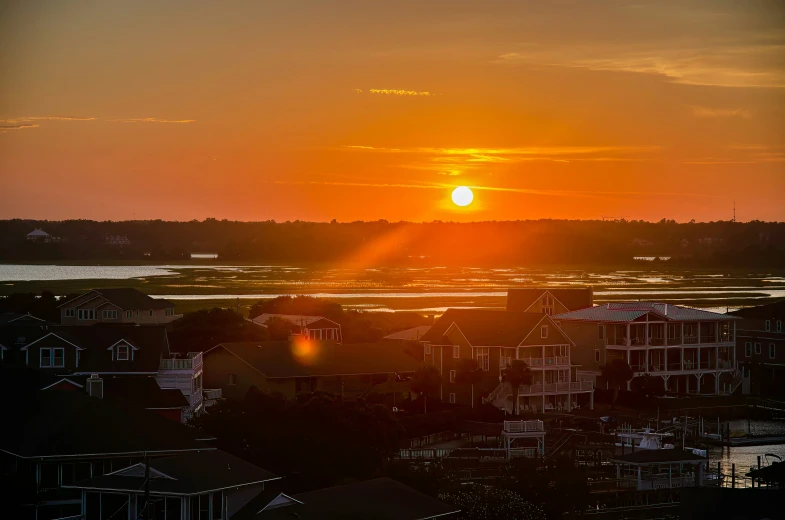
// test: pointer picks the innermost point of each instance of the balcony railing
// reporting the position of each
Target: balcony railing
(212, 393)
(547, 361)
(571, 386)
(194, 361)
(524, 426)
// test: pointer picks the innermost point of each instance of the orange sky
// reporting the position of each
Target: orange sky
(363, 110)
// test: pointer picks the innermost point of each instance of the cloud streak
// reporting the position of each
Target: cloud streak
(17, 126)
(698, 111)
(394, 92)
(152, 120)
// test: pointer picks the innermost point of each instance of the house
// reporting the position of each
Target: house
(760, 343)
(290, 368)
(412, 334)
(549, 300)
(311, 327)
(208, 484)
(379, 498)
(493, 339)
(53, 439)
(116, 240)
(116, 305)
(692, 350)
(660, 469)
(39, 235)
(106, 352)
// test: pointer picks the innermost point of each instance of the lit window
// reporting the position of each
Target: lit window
(452, 398)
(456, 351)
(772, 351)
(122, 352)
(46, 358)
(452, 376)
(544, 331)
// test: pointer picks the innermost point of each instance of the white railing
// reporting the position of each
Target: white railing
(524, 426)
(547, 361)
(567, 386)
(212, 393)
(194, 361)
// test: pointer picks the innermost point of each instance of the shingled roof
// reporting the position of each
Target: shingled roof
(483, 327)
(622, 312)
(150, 341)
(128, 298)
(186, 474)
(574, 298)
(279, 359)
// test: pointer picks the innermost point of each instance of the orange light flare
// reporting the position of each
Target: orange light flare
(305, 351)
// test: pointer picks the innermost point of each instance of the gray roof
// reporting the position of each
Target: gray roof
(622, 312)
(128, 298)
(186, 474)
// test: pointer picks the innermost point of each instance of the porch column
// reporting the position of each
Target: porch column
(628, 338)
(591, 400)
(717, 358)
(698, 377)
(666, 358)
(682, 358)
(647, 356)
(543, 396)
(569, 401)
(687, 383)
(699, 333)
(629, 362)
(716, 383)
(699, 355)
(639, 477)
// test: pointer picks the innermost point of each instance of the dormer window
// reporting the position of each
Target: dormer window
(122, 352)
(52, 358)
(547, 304)
(544, 331)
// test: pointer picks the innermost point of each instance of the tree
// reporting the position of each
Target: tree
(468, 373)
(204, 329)
(426, 380)
(616, 373)
(490, 503)
(517, 373)
(650, 386)
(280, 329)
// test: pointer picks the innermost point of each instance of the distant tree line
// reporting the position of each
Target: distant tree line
(530, 242)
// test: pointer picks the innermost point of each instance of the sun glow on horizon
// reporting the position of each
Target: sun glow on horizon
(462, 196)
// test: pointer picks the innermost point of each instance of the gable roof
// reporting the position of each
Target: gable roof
(151, 343)
(413, 334)
(29, 319)
(623, 312)
(380, 498)
(573, 298)
(186, 474)
(38, 232)
(483, 327)
(768, 310)
(127, 298)
(68, 424)
(278, 359)
(311, 322)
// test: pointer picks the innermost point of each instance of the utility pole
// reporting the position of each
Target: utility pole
(146, 487)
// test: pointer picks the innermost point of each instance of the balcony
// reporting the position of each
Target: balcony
(212, 393)
(193, 362)
(570, 386)
(550, 361)
(524, 426)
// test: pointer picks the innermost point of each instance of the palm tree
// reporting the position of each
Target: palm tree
(517, 373)
(468, 373)
(616, 373)
(426, 380)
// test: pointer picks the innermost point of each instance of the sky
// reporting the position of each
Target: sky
(365, 110)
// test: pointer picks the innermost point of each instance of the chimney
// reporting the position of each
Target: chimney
(95, 386)
(431, 318)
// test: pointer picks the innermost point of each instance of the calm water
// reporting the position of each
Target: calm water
(431, 289)
(746, 457)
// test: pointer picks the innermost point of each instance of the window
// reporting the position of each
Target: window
(46, 358)
(70, 313)
(772, 351)
(122, 352)
(232, 379)
(672, 332)
(110, 315)
(757, 348)
(58, 360)
(137, 313)
(456, 351)
(452, 398)
(129, 314)
(600, 332)
(169, 312)
(544, 331)
(779, 325)
(597, 356)
(484, 358)
(748, 349)
(151, 313)
(86, 314)
(452, 376)
(428, 348)
(768, 325)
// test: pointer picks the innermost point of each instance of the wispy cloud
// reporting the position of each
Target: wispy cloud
(698, 111)
(394, 92)
(745, 154)
(152, 120)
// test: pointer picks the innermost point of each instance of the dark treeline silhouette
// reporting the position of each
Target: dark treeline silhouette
(531, 242)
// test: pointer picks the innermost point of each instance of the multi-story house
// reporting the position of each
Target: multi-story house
(760, 345)
(493, 339)
(116, 305)
(103, 351)
(549, 300)
(692, 350)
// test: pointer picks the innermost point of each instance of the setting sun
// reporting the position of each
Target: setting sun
(462, 196)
